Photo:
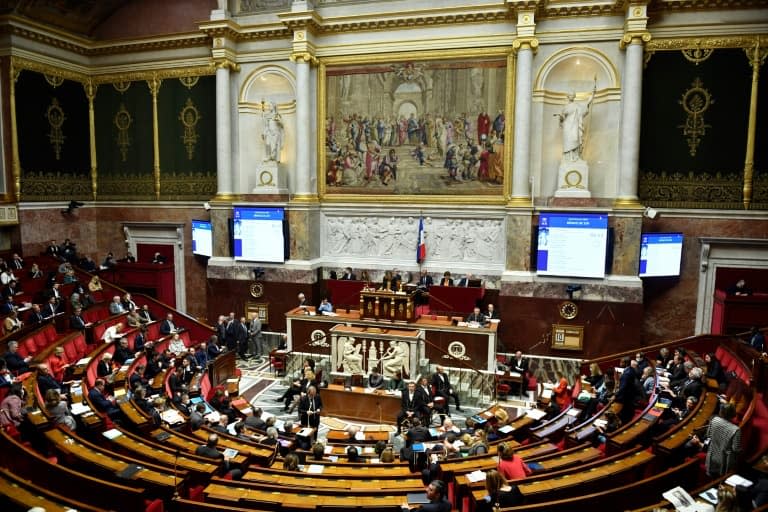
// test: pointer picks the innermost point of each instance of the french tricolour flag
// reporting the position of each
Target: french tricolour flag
(421, 245)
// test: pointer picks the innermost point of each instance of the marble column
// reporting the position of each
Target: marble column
(521, 162)
(303, 183)
(223, 131)
(629, 156)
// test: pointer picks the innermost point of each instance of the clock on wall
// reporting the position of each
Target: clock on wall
(568, 310)
(257, 290)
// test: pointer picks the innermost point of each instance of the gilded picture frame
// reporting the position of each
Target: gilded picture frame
(567, 337)
(416, 126)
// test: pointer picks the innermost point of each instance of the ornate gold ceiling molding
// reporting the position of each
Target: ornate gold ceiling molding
(679, 5)
(715, 42)
(21, 63)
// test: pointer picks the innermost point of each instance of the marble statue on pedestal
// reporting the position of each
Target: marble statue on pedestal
(573, 172)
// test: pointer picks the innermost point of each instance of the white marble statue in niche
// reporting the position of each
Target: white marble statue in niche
(573, 172)
(274, 132)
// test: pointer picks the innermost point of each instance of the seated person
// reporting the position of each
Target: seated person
(103, 402)
(436, 494)
(397, 383)
(15, 363)
(209, 451)
(325, 306)
(501, 494)
(476, 317)
(375, 379)
(446, 280)
(739, 288)
(510, 465)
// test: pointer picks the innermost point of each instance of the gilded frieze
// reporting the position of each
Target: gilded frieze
(694, 190)
(55, 186)
(189, 186)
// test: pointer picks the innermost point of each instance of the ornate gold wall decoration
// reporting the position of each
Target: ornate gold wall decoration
(121, 86)
(53, 80)
(188, 186)
(189, 81)
(50, 186)
(697, 55)
(690, 190)
(189, 117)
(695, 101)
(123, 122)
(56, 118)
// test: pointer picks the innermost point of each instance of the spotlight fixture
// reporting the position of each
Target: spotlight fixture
(571, 288)
(207, 206)
(650, 213)
(73, 205)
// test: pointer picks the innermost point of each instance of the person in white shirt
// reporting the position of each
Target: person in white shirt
(113, 333)
(176, 346)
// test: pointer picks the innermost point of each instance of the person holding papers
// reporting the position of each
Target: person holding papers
(167, 326)
(310, 406)
(112, 333)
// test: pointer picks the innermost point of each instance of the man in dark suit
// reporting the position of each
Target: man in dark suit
(167, 326)
(436, 496)
(50, 309)
(443, 387)
(411, 405)
(425, 280)
(53, 250)
(627, 390)
(476, 316)
(145, 316)
(101, 401)
(518, 363)
(464, 282)
(310, 406)
(491, 313)
(348, 275)
(35, 316)
(76, 321)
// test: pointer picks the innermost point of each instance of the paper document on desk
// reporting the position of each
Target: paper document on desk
(536, 414)
(112, 433)
(476, 476)
(172, 416)
(315, 469)
(683, 502)
(78, 408)
(736, 480)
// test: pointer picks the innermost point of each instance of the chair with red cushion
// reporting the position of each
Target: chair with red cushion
(30, 345)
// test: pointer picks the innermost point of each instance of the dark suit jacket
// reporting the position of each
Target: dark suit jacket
(35, 318)
(348, 277)
(213, 351)
(446, 281)
(479, 318)
(77, 323)
(425, 281)
(494, 315)
(463, 282)
(307, 404)
(416, 404)
(441, 385)
(208, 452)
(520, 367)
(436, 506)
(100, 401)
(166, 328)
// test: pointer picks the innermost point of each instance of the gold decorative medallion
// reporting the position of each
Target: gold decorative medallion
(573, 179)
(695, 101)
(189, 81)
(123, 122)
(568, 310)
(257, 290)
(121, 86)
(56, 118)
(189, 117)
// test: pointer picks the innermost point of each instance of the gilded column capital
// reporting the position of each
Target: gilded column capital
(225, 63)
(305, 57)
(525, 43)
(634, 38)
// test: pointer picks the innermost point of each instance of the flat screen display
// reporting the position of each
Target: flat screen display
(660, 254)
(202, 238)
(258, 234)
(572, 244)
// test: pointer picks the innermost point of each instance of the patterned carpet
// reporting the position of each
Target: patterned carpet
(262, 388)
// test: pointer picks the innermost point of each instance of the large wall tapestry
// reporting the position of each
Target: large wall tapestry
(415, 127)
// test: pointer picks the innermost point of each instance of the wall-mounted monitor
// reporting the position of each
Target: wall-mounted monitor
(202, 238)
(660, 254)
(572, 244)
(258, 234)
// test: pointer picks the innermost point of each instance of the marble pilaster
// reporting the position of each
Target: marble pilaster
(303, 184)
(521, 161)
(223, 131)
(626, 245)
(519, 242)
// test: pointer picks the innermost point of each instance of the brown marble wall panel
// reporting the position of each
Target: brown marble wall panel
(303, 233)
(670, 303)
(519, 229)
(626, 245)
(608, 327)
